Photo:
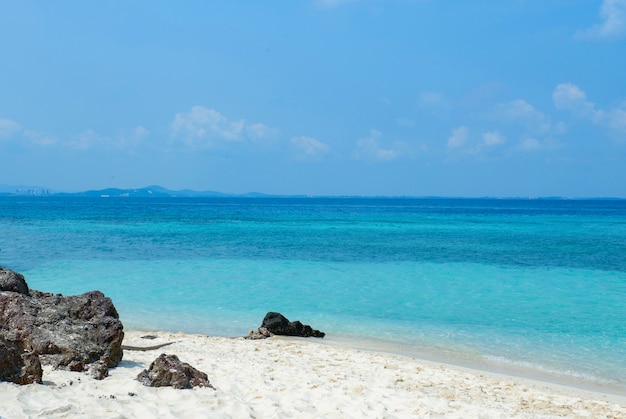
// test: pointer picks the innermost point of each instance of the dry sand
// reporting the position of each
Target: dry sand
(298, 378)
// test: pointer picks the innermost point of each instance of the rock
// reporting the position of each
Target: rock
(12, 281)
(278, 324)
(169, 371)
(16, 366)
(260, 333)
(99, 370)
(72, 333)
(31, 371)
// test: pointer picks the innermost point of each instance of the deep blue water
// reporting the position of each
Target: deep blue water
(539, 283)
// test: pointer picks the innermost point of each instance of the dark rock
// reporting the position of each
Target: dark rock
(12, 281)
(278, 324)
(70, 332)
(17, 366)
(169, 371)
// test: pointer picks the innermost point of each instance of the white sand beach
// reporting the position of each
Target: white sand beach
(297, 378)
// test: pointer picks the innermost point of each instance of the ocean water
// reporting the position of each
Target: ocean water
(537, 284)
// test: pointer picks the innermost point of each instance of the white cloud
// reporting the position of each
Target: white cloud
(617, 119)
(612, 25)
(458, 137)
(513, 122)
(308, 148)
(492, 139)
(205, 128)
(459, 142)
(531, 144)
(87, 140)
(369, 148)
(533, 130)
(523, 114)
(259, 131)
(614, 120)
(568, 96)
(139, 133)
(128, 140)
(40, 138)
(8, 128)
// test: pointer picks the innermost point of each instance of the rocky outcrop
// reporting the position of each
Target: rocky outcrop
(77, 333)
(169, 371)
(277, 324)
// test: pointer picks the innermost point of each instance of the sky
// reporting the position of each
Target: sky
(317, 97)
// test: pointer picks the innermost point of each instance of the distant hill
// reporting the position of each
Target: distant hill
(149, 191)
(156, 191)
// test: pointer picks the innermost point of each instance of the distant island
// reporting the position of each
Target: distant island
(156, 191)
(146, 192)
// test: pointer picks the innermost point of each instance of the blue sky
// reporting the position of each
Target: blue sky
(320, 97)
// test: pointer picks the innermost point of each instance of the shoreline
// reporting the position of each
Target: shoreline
(452, 359)
(480, 364)
(297, 377)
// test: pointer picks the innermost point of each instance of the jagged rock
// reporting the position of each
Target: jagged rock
(72, 332)
(12, 281)
(277, 324)
(16, 366)
(169, 371)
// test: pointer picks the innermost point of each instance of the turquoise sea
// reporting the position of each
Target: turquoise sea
(538, 285)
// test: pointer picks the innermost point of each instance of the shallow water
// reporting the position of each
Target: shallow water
(539, 284)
